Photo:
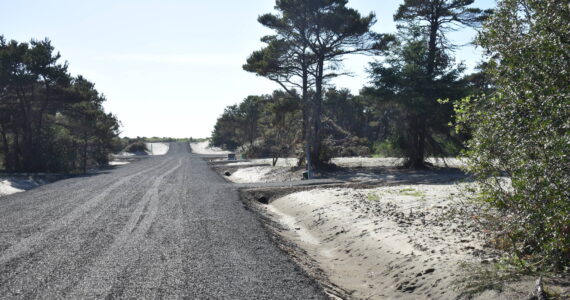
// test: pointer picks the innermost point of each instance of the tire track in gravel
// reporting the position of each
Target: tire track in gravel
(156, 273)
(123, 250)
(65, 248)
(29, 242)
(162, 227)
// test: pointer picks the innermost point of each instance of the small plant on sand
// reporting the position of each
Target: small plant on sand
(411, 192)
(373, 197)
(480, 278)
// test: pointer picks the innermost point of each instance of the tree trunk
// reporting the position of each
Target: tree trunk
(317, 103)
(305, 106)
(38, 140)
(84, 162)
(432, 43)
(17, 164)
(416, 157)
(5, 149)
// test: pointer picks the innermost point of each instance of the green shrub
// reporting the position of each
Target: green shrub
(136, 147)
(520, 150)
(386, 148)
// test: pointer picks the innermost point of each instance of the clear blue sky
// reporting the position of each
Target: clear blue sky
(168, 68)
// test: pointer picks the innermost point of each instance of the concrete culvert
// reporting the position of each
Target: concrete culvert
(263, 200)
(227, 173)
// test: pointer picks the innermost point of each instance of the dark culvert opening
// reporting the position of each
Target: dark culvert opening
(263, 200)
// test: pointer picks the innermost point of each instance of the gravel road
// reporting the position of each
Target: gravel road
(163, 227)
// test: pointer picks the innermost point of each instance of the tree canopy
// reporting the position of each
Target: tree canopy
(307, 50)
(50, 121)
(418, 71)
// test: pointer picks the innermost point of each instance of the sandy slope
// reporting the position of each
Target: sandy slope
(251, 172)
(265, 174)
(354, 162)
(204, 148)
(157, 148)
(6, 188)
(384, 243)
(281, 162)
(16, 184)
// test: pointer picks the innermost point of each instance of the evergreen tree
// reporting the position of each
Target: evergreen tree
(49, 121)
(311, 39)
(402, 83)
(420, 70)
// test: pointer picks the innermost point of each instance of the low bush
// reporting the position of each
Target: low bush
(136, 147)
(520, 150)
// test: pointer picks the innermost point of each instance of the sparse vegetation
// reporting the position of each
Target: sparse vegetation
(411, 192)
(373, 197)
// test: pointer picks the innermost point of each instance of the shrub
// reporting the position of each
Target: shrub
(520, 150)
(386, 148)
(136, 147)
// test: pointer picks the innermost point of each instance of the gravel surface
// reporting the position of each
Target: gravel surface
(163, 227)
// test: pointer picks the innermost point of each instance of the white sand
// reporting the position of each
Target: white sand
(281, 162)
(14, 184)
(355, 162)
(283, 172)
(204, 148)
(157, 148)
(260, 174)
(123, 153)
(265, 174)
(383, 243)
(6, 188)
(252, 174)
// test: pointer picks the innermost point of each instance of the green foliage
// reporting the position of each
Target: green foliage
(386, 148)
(311, 38)
(417, 125)
(480, 278)
(49, 121)
(521, 131)
(347, 111)
(136, 147)
(280, 127)
(411, 192)
(373, 197)
(418, 70)
(238, 125)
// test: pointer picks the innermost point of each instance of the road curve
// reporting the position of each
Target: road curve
(163, 227)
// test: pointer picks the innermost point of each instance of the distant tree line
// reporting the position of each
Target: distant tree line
(138, 144)
(50, 121)
(157, 139)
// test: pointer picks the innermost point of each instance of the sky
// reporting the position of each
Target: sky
(168, 68)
